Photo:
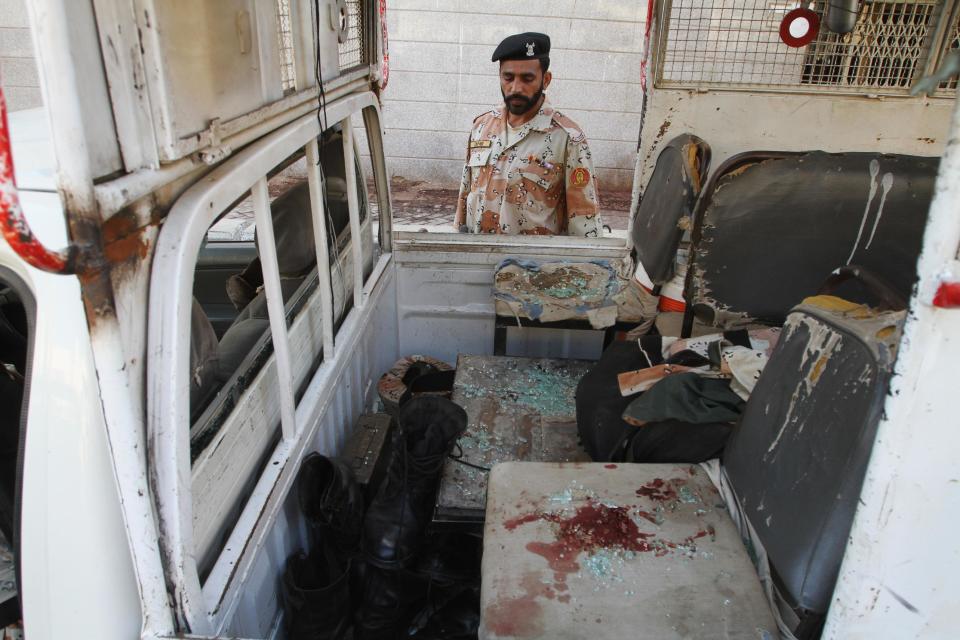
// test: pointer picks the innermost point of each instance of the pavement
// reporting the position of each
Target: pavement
(414, 203)
(431, 204)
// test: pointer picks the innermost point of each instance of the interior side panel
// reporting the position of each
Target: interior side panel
(445, 303)
(258, 606)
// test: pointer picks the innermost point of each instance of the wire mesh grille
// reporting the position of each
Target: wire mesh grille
(737, 43)
(285, 38)
(352, 50)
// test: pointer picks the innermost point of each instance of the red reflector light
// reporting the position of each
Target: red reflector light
(948, 295)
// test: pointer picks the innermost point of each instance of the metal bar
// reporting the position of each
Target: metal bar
(285, 45)
(319, 215)
(278, 320)
(14, 224)
(304, 47)
(940, 41)
(371, 119)
(349, 163)
(117, 194)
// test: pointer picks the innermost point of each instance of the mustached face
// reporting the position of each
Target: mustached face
(522, 83)
(518, 104)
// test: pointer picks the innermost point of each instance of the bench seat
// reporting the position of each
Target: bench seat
(593, 550)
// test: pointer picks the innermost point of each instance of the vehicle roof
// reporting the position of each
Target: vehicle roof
(34, 161)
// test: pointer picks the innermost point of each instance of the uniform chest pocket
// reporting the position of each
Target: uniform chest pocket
(479, 157)
(544, 173)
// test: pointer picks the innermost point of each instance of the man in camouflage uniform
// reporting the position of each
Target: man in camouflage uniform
(528, 168)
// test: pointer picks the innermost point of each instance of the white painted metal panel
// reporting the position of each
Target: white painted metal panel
(168, 429)
(74, 553)
(445, 293)
(123, 65)
(899, 573)
(206, 62)
(74, 90)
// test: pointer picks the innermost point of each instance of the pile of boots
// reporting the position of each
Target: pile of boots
(396, 521)
(317, 585)
(368, 572)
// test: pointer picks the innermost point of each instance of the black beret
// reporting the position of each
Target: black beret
(523, 46)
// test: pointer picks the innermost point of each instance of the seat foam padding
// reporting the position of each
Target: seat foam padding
(591, 550)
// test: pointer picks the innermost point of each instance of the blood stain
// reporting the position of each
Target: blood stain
(594, 526)
(520, 617)
(609, 466)
(658, 490)
(646, 515)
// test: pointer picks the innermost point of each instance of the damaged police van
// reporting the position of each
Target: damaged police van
(231, 405)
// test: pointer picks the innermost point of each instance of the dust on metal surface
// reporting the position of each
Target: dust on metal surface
(518, 409)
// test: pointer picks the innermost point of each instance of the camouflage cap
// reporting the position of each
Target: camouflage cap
(523, 46)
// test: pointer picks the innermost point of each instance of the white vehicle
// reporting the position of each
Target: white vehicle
(161, 432)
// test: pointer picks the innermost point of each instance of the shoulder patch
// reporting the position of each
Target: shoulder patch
(484, 116)
(576, 134)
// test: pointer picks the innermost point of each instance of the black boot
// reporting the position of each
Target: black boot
(316, 596)
(399, 513)
(331, 501)
(390, 597)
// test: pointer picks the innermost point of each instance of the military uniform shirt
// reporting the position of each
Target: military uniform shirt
(539, 182)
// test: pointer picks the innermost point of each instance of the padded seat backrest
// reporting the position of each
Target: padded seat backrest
(771, 227)
(204, 357)
(798, 456)
(293, 231)
(296, 256)
(666, 208)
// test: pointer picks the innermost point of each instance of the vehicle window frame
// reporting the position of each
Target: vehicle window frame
(201, 604)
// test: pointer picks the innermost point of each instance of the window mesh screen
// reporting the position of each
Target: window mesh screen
(728, 43)
(352, 50)
(284, 26)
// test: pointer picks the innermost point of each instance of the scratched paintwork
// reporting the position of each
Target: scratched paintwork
(518, 409)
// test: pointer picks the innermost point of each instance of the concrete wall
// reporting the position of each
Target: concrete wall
(441, 78)
(18, 69)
